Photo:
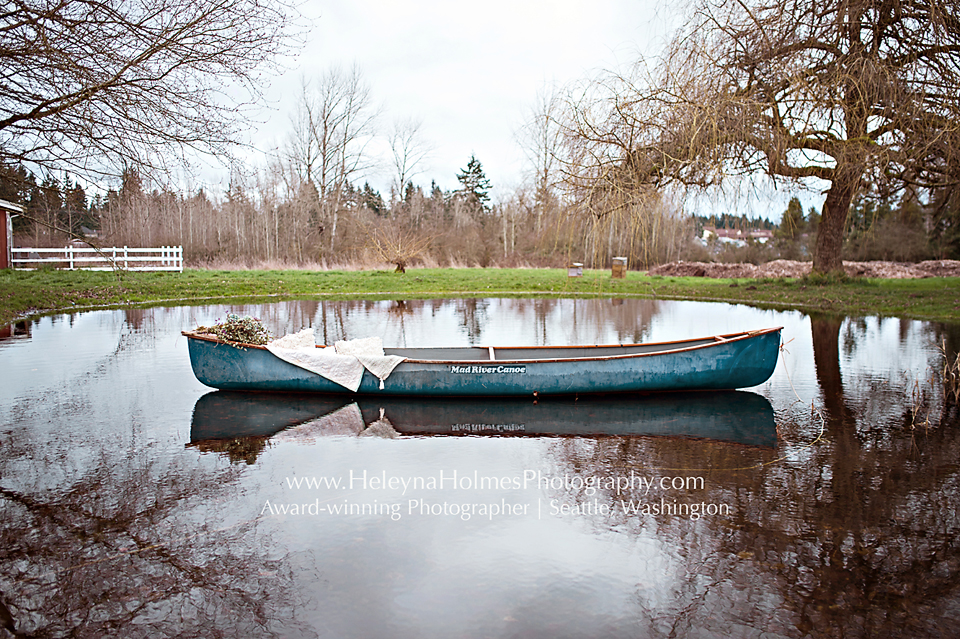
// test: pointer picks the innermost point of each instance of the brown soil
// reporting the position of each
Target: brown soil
(789, 268)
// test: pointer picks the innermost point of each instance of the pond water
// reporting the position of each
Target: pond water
(135, 502)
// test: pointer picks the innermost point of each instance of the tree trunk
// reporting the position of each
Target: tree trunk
(827, 257)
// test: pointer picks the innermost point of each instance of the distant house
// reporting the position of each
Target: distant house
(736, 236)
(7, 212)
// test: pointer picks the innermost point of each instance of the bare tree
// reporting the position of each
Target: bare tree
(103, 85)
(334, 121)
(408, 150)
(618, 203)
(391, 243)
(851, 92)
(540, 138)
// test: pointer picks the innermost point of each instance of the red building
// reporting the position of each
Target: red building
(7, 211)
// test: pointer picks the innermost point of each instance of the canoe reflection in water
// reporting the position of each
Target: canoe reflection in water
(239, 423)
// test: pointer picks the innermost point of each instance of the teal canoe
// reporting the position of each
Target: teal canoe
(721, 362)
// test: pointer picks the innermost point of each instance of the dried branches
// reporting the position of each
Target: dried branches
(397, 246)
(97, 85)
(845, 91)
(951, 375)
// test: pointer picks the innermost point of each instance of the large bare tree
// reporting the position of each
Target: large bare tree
(853, 92)
(102, 85)
(334, 121)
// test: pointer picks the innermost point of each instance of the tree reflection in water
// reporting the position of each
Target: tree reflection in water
(857, 536)
(127, 551)
(107, 512)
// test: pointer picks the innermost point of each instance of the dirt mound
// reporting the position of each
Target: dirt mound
(941, 268)
(790, 268)
(779, 268)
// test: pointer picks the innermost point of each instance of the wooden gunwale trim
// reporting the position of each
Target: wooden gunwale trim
(728, 338)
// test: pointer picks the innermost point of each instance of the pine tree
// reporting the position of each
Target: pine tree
(474, 185)
(792, 223)
(409, 192)
(372, 200)
(74, 213)
(16, 183)
(792, 226)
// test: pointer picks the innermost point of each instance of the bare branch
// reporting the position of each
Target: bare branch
(98, 85)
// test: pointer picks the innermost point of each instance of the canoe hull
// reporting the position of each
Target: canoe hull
(742, 362)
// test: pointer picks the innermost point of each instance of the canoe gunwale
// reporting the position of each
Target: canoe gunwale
(723, 339)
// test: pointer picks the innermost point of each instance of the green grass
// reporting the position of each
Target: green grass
(27, 293)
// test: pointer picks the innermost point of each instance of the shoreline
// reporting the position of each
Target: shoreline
(26, 295)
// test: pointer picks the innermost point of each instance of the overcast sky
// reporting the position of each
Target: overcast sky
(468, 71)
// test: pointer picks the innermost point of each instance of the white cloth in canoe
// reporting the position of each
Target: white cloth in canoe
(342, 363)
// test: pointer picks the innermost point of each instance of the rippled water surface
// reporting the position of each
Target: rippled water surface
(135, 502)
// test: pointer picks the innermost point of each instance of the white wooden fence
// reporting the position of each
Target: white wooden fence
(165, 258)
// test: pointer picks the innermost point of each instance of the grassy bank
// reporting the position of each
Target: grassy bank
(26, 293)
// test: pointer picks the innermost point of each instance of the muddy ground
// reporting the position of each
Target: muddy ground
(790, 268)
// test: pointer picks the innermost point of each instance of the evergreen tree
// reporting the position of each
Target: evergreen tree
(409, 192)
(16, 183)
(792, 223)
(75, 213)
(131, 185)
(813, 219)
(474, 185)
(792, 227)
(44, 207)
(372, 200)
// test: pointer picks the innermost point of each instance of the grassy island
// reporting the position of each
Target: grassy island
(29, 293)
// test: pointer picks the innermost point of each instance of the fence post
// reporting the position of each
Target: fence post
(69, 256)
(126, 266)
